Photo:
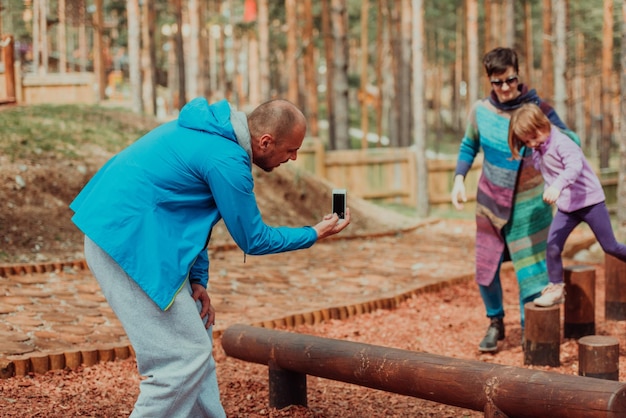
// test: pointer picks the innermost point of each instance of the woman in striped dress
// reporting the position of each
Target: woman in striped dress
(512, 220)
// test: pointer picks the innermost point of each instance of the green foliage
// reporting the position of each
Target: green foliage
(27, 132)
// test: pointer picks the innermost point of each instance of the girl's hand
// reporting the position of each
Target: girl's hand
(550, 195)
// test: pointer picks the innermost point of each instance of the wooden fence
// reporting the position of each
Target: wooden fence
(388, 175)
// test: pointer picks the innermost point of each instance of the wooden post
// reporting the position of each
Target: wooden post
(580, 296)
(8, 47)
(542, 335)
(286, 387)
(598, 356)
(615, 287)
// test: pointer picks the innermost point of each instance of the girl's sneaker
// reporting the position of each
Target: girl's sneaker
(552, 294)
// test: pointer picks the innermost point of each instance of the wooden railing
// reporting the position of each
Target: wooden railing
(496, 390)
(388, 175)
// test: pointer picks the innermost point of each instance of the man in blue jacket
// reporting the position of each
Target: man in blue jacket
(147, 216)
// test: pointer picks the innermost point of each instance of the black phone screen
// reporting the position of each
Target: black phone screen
(339, 204)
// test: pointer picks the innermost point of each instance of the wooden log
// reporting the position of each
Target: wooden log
(122, 353)
(7, 369)
(106, 353)
(580, 307)
(286, 387)
(542, 335)
(73, 359)
(21, 365)
(90, 356)
(598, 356)
(40, 364)
(470, 384)
(57, 361)
(615, 288)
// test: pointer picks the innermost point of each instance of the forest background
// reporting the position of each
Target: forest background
(369, 73)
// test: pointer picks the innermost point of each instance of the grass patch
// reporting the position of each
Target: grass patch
(27, 132)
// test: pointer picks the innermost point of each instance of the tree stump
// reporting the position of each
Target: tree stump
(598, 356)
(580, 288)
(615, 279)
(542, 335)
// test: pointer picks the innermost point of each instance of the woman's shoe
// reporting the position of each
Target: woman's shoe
(494, 333)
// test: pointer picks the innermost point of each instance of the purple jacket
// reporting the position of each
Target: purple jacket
(563, 166)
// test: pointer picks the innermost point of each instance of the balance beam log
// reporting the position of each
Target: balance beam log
(598, 356)
(580, 301)
(542, 335)
(615, 287)
(470, 384)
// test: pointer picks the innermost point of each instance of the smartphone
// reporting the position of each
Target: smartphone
(339, 202)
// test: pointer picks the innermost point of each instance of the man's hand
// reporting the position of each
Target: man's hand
(550, 195)
(331, 225)
(458, 190)
(199, 293)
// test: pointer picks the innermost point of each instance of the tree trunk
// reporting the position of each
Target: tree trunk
(546, 53)
(192, 65)
(292, 48)
(339, 18)
(310, 70)
(405, 75)
(264, 44)
(509, 20)
(579, 91)
(329, 56)
(82, 38)
(62, 37)
(98, 50)
(560, 58)
(364, 61)
(621, 180)
(419, 106)
(396, 64)
(36, 36)
(607, 84)
(134, 67)
(528, 44)
(180, 55)
(489, 39)
(254, 89)
(460, 85)
(380, 25)
(148, 56)
(472, 51)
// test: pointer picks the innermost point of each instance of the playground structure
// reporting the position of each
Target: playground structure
(498, 391)
(494, 389)
(66, 60)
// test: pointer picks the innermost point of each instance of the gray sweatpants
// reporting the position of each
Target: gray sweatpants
(173, 349)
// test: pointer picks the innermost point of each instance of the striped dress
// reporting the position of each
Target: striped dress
(510, 212)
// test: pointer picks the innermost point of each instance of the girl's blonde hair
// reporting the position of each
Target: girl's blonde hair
(526, 121)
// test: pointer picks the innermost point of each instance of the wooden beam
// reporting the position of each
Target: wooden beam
(470, 384)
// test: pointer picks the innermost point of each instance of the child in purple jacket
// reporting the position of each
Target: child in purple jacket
(571, 183)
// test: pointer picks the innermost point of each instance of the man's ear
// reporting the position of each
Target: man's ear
(265, 141)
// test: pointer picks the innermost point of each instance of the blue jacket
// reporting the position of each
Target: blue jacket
(152, 206)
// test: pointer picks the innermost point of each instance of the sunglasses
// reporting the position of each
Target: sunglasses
(509, 81)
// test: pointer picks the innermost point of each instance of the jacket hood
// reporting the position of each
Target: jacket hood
(217, 119)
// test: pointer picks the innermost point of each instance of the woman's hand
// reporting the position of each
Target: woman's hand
(458, 190)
